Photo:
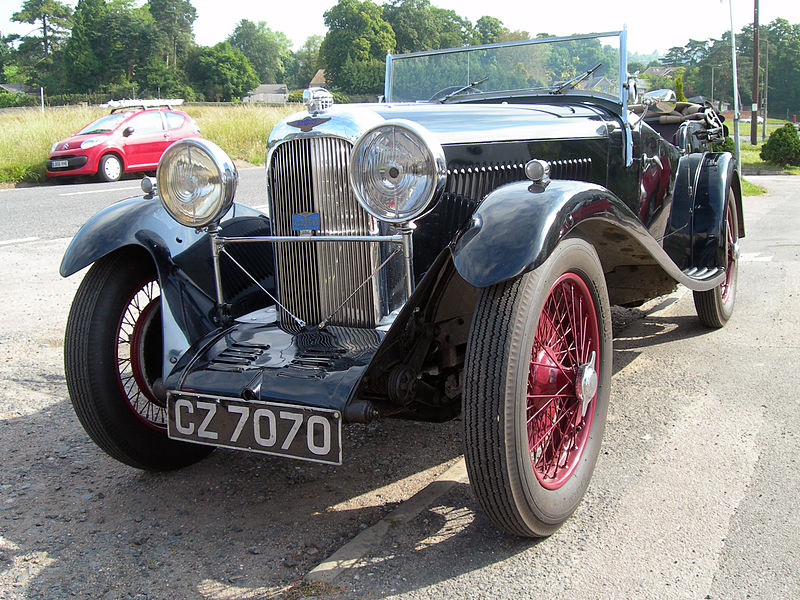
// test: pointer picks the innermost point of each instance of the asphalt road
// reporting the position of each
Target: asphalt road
(57, 210)
(695, 494)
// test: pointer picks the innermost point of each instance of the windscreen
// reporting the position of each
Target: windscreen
(557, 65)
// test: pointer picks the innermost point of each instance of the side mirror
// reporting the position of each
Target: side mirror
(127, 132)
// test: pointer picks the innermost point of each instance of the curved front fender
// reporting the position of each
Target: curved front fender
(187, 301)
(515, 229)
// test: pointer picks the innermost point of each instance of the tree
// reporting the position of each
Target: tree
(84, 69)
(221, 73)
(305, 63)
(174, 20)
(355, 30)
(269, 51)
(54, 18)
(488, 30)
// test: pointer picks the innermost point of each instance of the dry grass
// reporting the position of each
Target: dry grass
(240, 130)
(27, 135)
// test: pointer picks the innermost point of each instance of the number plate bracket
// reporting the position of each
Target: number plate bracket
(303, 432)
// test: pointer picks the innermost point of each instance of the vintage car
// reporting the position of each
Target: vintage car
(451, 251)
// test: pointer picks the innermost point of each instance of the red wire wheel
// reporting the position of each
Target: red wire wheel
(732, 250)
(537, 376)
(138, 354)
(562, 381)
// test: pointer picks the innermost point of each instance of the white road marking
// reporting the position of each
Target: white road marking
(101, 191)
(754, 257)
(18, 241)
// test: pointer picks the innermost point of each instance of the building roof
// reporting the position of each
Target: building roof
(318, 79)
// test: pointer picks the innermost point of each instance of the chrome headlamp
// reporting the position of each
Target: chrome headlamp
(196, 182)
(396, 169)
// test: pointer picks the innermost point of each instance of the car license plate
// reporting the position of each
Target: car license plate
(56, 164)
(313, 434)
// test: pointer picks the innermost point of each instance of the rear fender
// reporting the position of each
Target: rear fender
(181, 256)
(717, 175)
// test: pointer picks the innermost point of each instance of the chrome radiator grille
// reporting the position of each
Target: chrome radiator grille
(309, 175)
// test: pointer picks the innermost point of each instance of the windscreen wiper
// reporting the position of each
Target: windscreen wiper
(575, 80)
(463, 89)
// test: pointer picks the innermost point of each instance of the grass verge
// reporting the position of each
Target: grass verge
(751, 189)
(28, 134)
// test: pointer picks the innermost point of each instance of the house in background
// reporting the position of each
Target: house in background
(18, 88)
(318, 80)
(268, 92)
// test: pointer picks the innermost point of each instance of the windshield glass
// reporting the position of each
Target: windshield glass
(541, 64)
(104, 124)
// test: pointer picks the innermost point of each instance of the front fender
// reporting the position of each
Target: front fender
(187, 298)
(515, 229)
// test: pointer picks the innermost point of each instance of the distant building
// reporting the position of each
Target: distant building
(268, 92)
(663, 71)
(318, 80)
(18, 88)
(600, 84)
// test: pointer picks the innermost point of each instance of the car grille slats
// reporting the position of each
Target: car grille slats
(309, 175)
(475, 181)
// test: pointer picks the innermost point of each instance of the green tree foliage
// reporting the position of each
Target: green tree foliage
(305, 63)
(356, 31)
(173, 21)
(54, 20)
(782, 147)
(84, 48)
(221, 73)
(488, 30)
(269, 51)
(679, 95)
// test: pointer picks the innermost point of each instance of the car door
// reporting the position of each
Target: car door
(146, 139)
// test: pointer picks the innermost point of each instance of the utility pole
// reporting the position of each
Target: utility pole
(766, 91)
(754, 107)
(736, 114)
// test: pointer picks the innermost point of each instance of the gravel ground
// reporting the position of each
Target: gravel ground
(77, 524)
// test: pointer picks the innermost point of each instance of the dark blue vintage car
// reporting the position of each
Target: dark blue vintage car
(452, 250)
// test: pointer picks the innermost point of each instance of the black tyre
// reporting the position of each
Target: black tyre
(112, 355)
(715, 307)
(110, 168)
(536, 388)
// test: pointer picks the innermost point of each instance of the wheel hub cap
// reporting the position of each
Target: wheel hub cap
(586, 384)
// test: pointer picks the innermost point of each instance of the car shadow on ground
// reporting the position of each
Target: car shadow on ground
(75, 523)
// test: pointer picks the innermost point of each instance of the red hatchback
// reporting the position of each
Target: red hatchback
(131, 138)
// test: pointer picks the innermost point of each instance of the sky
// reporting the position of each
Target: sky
(649, 29)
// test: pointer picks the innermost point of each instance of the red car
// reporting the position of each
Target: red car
(131, 138)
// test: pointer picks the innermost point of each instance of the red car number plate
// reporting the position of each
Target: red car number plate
(303, 432)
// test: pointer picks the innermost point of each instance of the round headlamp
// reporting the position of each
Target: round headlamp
(196, 182)
(396, 169)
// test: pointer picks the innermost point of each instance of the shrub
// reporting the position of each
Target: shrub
(16, 99)
(727, 145)
(782, 147)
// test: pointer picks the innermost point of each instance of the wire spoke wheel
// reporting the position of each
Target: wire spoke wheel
(536, 387)
(113, 352)
(715, 307)
(138, 354)
(558, 416)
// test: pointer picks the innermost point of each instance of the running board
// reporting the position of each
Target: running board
(703, 274)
